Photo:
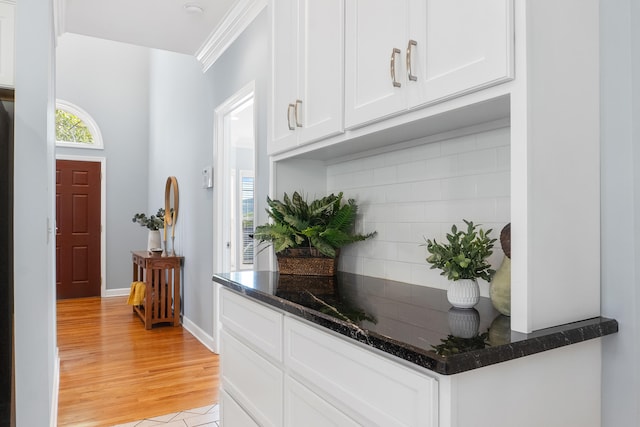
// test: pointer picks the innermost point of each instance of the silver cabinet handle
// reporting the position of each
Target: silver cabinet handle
(289, 108)
(412, 43)
(394, 52)
(298, 102)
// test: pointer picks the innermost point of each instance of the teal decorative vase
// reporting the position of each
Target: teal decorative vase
(500, 289)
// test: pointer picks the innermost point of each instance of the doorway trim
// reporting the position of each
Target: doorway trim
(219, 152)
(103, 216)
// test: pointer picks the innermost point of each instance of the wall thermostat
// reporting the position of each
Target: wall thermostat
(207, 177)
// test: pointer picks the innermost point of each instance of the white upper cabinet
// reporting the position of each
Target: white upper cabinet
(407, 53)
(7, 12)
(307, 85)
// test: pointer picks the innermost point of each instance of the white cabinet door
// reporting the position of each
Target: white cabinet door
(284, 18)
(232, 414)
(307, 82)
(7, 12)
(321, 65)
(376, 34)
(305, 408)
(460, 46)
(252, 381)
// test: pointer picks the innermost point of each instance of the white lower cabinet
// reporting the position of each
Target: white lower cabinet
(318, 378)
(322, 380)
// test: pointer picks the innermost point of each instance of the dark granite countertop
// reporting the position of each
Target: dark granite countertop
(414, 323)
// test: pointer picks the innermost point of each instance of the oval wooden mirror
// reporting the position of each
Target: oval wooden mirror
(171, 202)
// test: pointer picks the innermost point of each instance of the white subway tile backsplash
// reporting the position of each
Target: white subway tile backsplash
(419, 152)
(410, 252)
(412, 171)
(493, 138)
(503, 210)
(461, 187)
(442, 167)
(459, 145)
(504, 158)
(479, 161)
(397, 232)
(424, 191)
(397, 270)
(374, 267)
(493, 185)
(385, 175)
(419, 192)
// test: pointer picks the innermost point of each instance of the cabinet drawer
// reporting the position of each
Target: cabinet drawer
(379, 391)
(252, 381)
(305, 408)
(232, 414)
(257, 326)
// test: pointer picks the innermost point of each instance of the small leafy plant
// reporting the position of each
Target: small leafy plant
(325, 224)
(465, 254)
(153, 222)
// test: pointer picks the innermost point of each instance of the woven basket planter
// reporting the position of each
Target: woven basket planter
(306, 262)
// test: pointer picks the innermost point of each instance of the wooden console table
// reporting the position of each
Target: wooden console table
(161, 275)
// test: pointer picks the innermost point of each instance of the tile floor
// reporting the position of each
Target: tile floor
(207, 416)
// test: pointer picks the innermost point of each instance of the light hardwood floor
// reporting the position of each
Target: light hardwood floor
(114, 371)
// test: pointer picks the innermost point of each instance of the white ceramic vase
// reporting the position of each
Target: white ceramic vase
(154, 240)
(463, 293)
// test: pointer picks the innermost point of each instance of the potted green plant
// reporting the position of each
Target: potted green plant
(154, 223)
(463, 260)
(307, 236)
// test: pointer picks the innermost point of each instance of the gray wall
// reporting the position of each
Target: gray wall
(182, 105)
(620, 147)
(109, 80)
(34, 247)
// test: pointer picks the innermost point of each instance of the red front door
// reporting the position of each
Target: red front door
(78, 229)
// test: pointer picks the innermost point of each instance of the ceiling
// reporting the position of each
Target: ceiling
(160, 24)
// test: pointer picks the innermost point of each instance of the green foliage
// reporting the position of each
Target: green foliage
(153, 222)
(69, 128)
(325, 224)
(465, 254)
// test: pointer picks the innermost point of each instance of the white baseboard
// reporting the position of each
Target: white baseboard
(53, 418)
(196, 331)
(120, 292)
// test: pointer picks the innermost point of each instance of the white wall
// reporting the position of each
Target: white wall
(420, 192)
(110, 81)
(620, 146)
(34, 240)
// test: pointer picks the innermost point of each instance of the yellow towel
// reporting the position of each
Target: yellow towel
(136, 297)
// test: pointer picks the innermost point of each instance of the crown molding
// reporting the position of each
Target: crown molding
(233, 24)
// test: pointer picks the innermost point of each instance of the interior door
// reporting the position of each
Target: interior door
(78, 229)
